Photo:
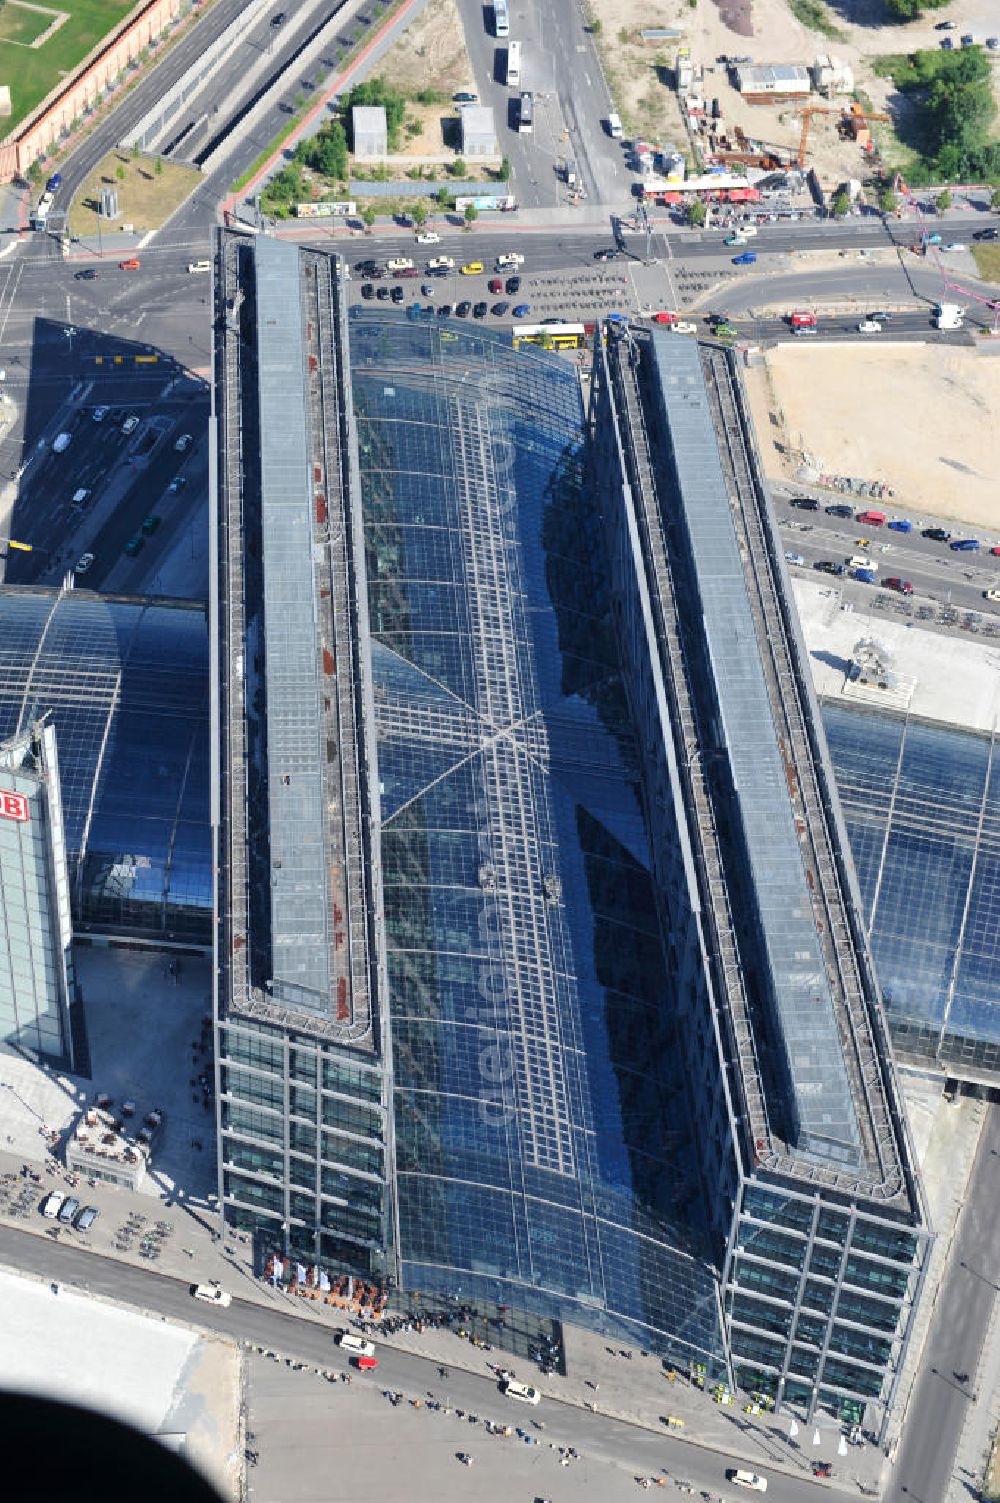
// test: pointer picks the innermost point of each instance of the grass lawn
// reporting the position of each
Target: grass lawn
(33, 71)
(19, 24)
(987, 259)
(146, 197)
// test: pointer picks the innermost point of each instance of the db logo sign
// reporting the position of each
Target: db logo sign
(13, 805)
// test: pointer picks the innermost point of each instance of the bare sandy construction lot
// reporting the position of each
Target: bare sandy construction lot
(641, 79)
(924, 419)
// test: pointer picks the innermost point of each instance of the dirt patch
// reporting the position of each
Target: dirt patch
(925, 420)
(146, 196)
(431, 53)
(641, 78)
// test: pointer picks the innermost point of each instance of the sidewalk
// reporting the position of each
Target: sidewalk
(946, 1138)
(632, 1388)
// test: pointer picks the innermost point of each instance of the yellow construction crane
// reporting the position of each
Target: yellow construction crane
(11, 543)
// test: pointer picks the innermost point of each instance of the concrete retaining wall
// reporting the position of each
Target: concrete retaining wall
(94, 77)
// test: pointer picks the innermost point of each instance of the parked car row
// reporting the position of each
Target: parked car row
(438, 266)
(67, 1209)
(873, 518)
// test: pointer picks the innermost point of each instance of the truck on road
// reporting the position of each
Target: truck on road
(949, 316)
(802, 321)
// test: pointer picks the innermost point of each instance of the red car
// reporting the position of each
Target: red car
(901, 586)
(996, 551)
(664, 318)
(132, 264)
(366, 1364)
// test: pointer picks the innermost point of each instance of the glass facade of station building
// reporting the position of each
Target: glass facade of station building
(124, 684)
(543, 1150)
(524, 1112)
(516, 1127)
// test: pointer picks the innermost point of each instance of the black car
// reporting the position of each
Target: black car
(382, 293)
(87, 275)
(826, 566)
(805, 503)
(936, 534)
(367, 291)
(606, 255)
(480, 310)
(397, 294)
(279, 19)
(499, 309)
(365, 268)
(463, 309)
(840, 510)
(991, 234)
(444, 311)
(946, 26)
(513, 285)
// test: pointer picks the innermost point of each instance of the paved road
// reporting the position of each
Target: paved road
(938, 1409)
(610, 1440)
(935, 572)
(812, 234)
(53, 329)
(153, 85)
(560, 67)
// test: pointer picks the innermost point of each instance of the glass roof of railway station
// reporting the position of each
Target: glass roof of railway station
(541, 1133)
(922, 808)
(125, 682)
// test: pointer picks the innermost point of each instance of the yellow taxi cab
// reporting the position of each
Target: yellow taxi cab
(472, 268)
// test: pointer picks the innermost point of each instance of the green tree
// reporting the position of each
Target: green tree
(995, 199)
(696, 213)
(120, 173)
(368, 215)
(505, 170)
(419, 213)
(886, 198)
(35, 173)
(158, 166)
(458, 168)
(595, 27)
(840, 204)
(443, 198)
(471, 215)
(943, 201)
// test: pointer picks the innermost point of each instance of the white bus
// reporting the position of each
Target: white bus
(501, 18)
(514, 65)
(526, 115)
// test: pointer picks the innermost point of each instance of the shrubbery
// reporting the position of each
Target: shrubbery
(956, 112)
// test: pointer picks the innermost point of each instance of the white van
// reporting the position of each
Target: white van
(521, 1391)
(81, 496)
(743, 1478)
(509, 261)
(61, 441)
(615, 127)
(199, 266)
(53, 1205)
(358, 1344)
(212, 1295)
